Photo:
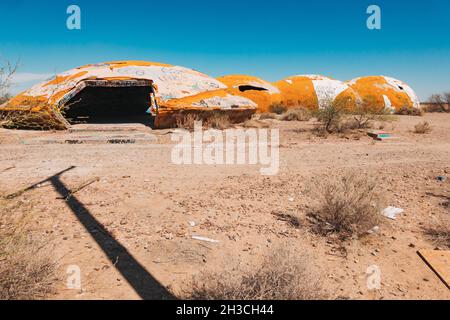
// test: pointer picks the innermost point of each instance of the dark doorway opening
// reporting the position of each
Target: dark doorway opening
(105, 101)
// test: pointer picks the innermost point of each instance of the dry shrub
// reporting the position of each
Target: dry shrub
(218, 121)
(299, 114)
(292, 218)
(187, 121)
(405, 111)
(439, 233)
(438, 103)
(267, 115)
(26, 269)
(212, 120)
(283, 275)
(423, 128)
(277, 108)
(330, 115)
(348, 206)
(436, 108)
(43, 120)
(255, 123)
(367, 112)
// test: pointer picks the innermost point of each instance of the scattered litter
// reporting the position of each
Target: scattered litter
(379, 135)
(374, 230)
(168, 236)
(192, 223)
(200, 238)
(438, 261)
(441, 178)
(392, 212)
(44, 184)
(291, 199)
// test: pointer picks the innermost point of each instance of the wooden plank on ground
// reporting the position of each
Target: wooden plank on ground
(439, 262)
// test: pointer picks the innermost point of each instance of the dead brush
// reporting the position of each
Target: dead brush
(210, 120)
(423, 128)
(43, 120)
(218, 121)
(187, 121)
(267, 115)
(299, 114)
(277, 108)
(26, 270)
(283, 275)
(439, 233)
(348, 206)
(405, 111)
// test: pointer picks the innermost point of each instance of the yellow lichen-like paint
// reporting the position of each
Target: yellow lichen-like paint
(374, 88)
(263, 98)
(298, 91)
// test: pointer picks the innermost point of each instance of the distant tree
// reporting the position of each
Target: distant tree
(6, 73)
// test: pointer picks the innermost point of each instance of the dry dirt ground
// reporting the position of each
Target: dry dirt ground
(131, 232)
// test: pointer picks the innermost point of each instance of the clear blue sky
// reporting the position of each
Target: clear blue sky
(269, 39)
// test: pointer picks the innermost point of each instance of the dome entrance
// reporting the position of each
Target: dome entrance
(109, 101)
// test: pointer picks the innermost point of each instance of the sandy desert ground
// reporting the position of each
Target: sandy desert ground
(131, 232)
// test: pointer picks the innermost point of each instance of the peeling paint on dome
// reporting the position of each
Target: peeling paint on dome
(388, 92)
(261, 92)
(313, 91)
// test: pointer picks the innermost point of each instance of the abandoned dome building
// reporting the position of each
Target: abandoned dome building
(130, 91)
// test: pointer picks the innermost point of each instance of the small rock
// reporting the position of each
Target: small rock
(412, 245)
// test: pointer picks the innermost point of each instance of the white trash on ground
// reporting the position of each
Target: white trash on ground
(392, 212)
(205, 239)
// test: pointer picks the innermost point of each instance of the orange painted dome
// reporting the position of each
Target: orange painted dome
(314, 92)
(261, 92)
(386, 92)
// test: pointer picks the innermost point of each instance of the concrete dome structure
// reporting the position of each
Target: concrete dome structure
(386, 92)
(261, 92)
(314, 92)
(115, 89)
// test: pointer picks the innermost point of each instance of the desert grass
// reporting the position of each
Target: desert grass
(268, 115)
(405, 111)
(283, 275)
(27, 271)
(439, 233)
(277, 108)
(218, 121)
(347, 206)
(210, 120)
(422, 128)
(299, 114)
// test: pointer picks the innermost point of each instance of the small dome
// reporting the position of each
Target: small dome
(314, 91)
(388, 92)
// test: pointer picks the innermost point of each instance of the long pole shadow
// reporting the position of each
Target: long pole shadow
(145, 285)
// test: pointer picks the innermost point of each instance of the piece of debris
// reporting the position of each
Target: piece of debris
(439, 262)
(392, 212)
(9, 168)
(200, 238)
(79, 188)
(379, 135)
(441, 178)
(192, 223)
(374, 230)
